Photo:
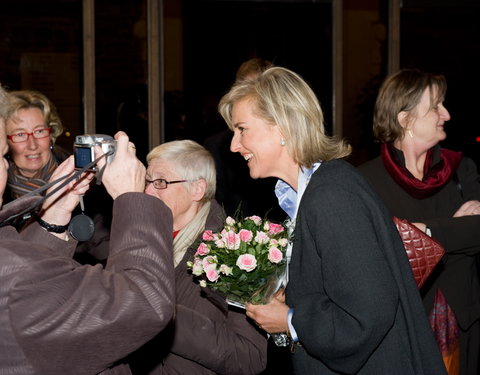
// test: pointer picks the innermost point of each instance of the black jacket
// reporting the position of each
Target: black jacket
(357, 307)
(457, 276)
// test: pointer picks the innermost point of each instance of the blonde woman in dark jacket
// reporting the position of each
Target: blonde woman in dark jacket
(351, 303)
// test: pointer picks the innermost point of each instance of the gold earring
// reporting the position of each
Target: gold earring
(410, 133)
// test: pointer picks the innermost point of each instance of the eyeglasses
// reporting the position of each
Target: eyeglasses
(160, 183)
(23, 136)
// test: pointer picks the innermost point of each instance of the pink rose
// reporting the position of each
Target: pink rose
(220, 244)
(202, 250)
(207, 235)
(212, 274)
(247, 262)
(209, 262)
(283, 242)
(256, 219)
(262, 237)
(225, 269)
(232, 240)
(274, 255)
(245, 235)
(275, 228)
(197, 267)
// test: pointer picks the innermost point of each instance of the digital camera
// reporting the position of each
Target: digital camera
(84, 148)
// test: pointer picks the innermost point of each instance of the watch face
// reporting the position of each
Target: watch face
(81, 227)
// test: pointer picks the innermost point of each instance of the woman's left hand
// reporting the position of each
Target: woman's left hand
(468, 208)
(271, 317)
(57, 209)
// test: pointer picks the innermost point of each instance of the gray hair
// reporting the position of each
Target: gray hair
(192, 162)
(4, 104)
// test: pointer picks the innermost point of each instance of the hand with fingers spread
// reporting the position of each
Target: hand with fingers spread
(57, 209)
(468, 208)
(125, 173)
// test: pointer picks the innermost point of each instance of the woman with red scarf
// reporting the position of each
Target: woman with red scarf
(439, 191)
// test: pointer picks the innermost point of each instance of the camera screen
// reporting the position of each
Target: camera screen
(83, 156)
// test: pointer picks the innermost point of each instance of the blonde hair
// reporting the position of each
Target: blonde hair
(25, 99)
(281, 97)
(192, 161)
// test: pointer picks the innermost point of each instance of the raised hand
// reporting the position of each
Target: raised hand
(125, 173)
(57, 208)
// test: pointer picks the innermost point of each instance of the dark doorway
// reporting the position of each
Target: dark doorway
(220, 35)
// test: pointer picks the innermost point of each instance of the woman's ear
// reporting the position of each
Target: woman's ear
(402, 118)
(198, 189)
(281, 138)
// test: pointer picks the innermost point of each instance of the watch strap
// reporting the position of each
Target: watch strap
(52, 227)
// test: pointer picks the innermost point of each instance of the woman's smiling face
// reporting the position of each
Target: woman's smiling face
(33, 154)
(258, 141)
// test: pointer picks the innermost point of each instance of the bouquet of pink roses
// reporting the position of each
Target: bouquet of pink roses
(245, 261)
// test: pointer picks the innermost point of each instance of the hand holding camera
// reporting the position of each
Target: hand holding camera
(57, 208)
(125, 173)
(84, 149)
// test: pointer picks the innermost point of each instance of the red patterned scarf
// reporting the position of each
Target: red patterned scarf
(447, 333)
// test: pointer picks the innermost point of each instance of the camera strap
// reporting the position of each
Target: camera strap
(32, 208)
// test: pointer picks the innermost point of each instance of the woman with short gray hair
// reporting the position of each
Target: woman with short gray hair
(208, 337)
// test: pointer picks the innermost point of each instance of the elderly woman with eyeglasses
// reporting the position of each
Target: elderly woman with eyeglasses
(207, 336)
(32, 128)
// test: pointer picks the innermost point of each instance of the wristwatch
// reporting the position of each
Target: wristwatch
(52, 227)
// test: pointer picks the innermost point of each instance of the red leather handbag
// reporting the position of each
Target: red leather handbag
(423, 252)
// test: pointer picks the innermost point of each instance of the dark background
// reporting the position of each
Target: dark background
(206, 41)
